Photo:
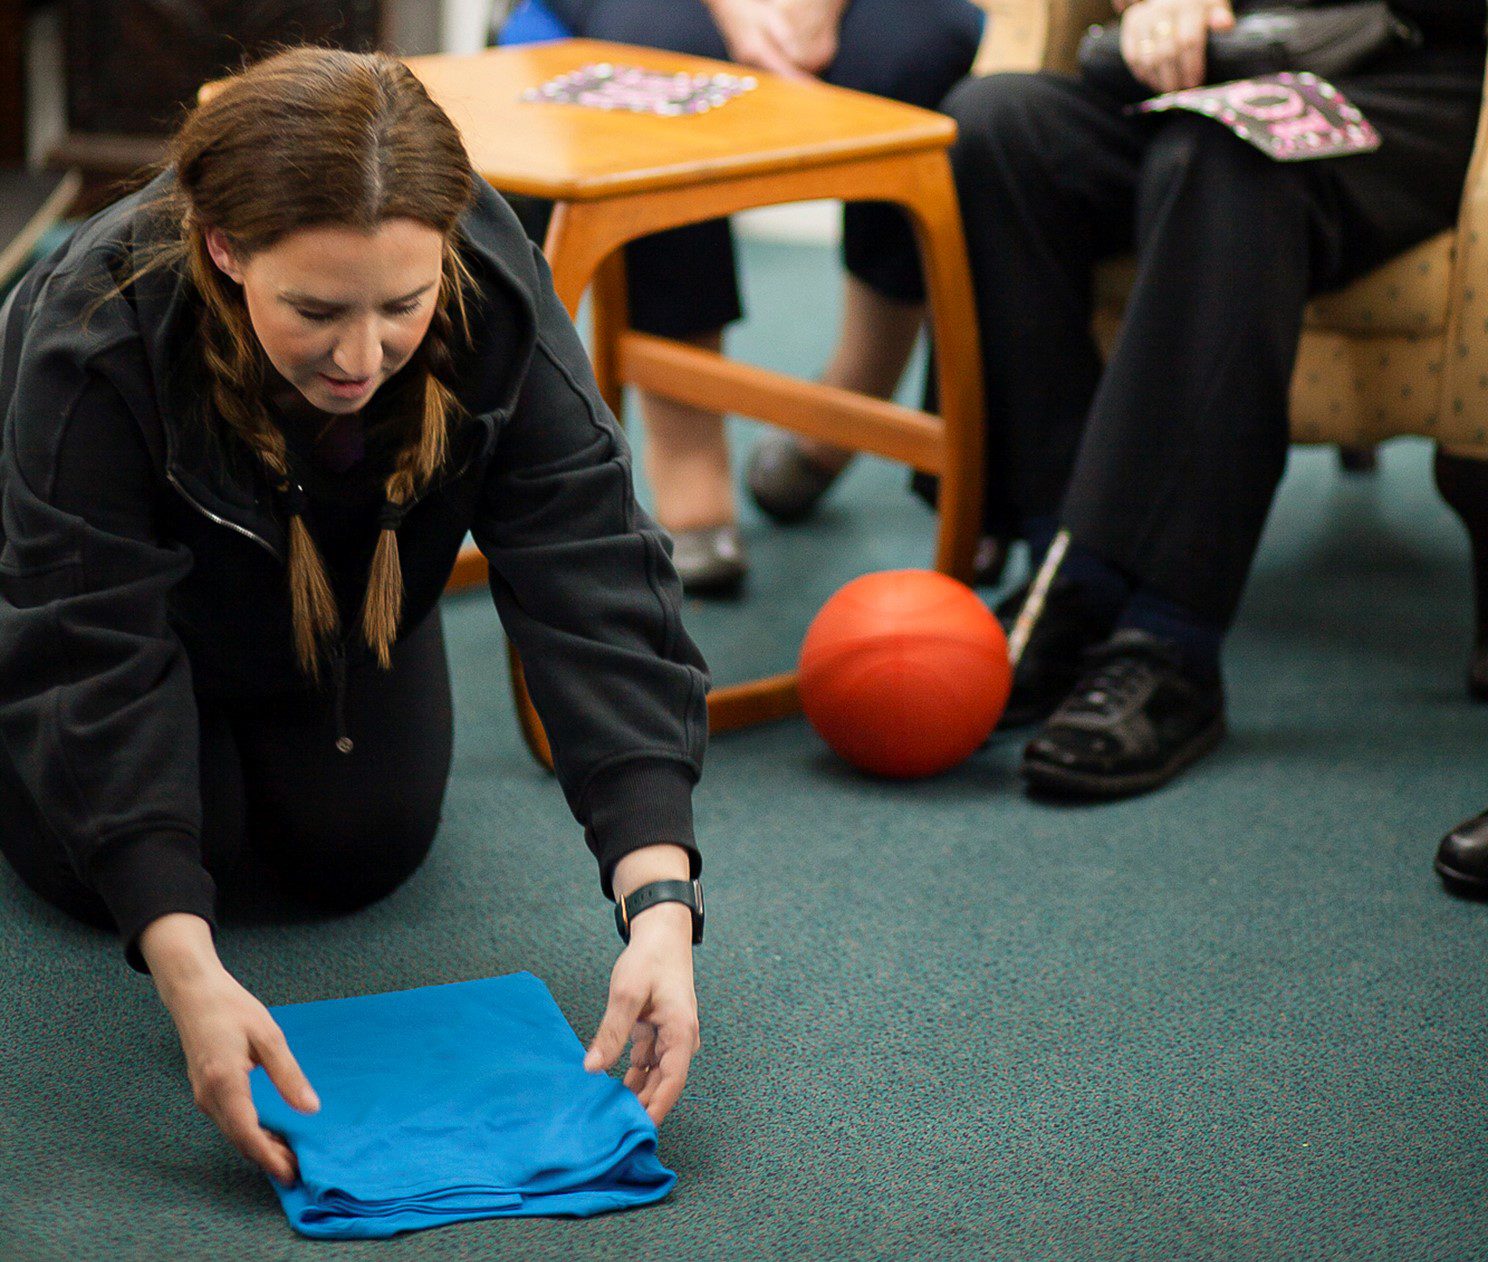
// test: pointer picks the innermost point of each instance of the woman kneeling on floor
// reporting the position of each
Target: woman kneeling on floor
(251, 413)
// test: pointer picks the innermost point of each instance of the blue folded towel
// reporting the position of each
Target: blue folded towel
(453, 1102)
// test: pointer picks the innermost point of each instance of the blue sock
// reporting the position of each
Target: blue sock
(1107, 585)
(1198, 640)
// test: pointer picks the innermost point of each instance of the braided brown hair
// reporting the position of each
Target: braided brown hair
(321, 137)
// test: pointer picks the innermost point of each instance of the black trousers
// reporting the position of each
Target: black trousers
(339, 829)
(685, 282)
(1165, 459)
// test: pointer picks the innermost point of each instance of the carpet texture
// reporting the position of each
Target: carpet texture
(1234, 1019)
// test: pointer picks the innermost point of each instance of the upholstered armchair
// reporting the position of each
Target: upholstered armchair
(1401, 351)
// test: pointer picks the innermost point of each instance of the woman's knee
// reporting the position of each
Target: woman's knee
(38, 858)
(57, 885)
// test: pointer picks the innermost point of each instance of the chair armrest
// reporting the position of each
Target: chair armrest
(1036, 34)
(1465, 398)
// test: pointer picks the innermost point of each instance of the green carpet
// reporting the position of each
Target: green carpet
(1235, 1019)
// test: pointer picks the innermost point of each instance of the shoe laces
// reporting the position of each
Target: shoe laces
(1118, 676)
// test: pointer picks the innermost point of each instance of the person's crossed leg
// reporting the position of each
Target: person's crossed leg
(1160, 465)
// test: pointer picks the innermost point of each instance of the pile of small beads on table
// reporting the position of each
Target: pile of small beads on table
(604, 86)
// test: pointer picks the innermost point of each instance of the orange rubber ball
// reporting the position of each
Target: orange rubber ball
(904, 673)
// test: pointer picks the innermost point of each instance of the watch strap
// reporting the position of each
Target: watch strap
(688, 893)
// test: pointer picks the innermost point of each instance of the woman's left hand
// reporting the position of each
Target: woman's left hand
(653, 1005)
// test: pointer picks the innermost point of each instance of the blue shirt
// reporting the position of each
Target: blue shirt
(453, 1102)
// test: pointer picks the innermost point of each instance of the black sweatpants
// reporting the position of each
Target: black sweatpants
(684, 282)
(340, 829)
(1165, 459)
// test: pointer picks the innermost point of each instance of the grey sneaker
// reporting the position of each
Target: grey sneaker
(784, 481)
(710, 561)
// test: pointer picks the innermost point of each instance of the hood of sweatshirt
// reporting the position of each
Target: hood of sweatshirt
(168, 311)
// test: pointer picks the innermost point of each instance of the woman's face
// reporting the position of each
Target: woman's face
(336, 310)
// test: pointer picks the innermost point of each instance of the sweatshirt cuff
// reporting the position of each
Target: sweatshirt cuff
(640, 803)
(147, 877)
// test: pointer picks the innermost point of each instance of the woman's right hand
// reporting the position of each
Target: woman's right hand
(1165, 42)
(224, 1033)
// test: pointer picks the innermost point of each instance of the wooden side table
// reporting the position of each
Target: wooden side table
(617, 176)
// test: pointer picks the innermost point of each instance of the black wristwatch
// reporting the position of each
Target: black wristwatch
(688, 893)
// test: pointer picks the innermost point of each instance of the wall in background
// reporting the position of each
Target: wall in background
(412, 27)
(464, 24)
(46, 103)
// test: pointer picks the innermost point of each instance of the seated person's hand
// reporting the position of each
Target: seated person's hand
(1164, 41)
(794, 38)
(813, 31)
(757, 33)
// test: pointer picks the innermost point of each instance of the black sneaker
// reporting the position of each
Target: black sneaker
(1054, 659)
(1462, 858)
(1477, 671)
(1133, 722)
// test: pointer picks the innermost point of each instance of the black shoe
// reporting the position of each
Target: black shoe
(1133, 722)
(1358, 460)
(1477, 672)
(1053, 660)
(710, 561)
(784, 481)
(1462, 858)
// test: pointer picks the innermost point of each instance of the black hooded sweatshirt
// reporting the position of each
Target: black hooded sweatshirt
(163, 577)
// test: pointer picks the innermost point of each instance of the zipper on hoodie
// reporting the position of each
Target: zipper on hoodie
(222, 521)
(344, 743)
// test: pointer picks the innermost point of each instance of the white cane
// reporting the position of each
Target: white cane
(1033, 607)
